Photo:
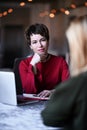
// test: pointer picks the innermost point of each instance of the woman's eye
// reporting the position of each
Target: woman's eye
(34, 42)
(44, 39)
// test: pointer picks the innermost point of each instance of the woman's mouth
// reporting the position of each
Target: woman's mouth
(40, 50)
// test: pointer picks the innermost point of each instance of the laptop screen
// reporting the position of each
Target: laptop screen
(8, 94)
(7, 87)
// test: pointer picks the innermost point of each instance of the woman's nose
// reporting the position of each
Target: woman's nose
(39, 43)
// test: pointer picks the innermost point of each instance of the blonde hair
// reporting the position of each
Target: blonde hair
(77, 38)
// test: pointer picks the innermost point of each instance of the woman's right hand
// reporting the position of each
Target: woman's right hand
(35, 59)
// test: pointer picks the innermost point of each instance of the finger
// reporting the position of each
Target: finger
(43, 94)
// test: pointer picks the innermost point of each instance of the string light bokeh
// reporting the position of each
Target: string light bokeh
(52, 13)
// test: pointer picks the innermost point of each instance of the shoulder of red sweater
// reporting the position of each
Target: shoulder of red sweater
(26, 59)
(58, 56)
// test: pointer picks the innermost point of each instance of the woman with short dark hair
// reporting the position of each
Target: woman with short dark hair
(42, 71)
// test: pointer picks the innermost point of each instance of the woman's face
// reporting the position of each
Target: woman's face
(39, 44)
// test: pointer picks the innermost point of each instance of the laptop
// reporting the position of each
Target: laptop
(8, 93)
(8, 90)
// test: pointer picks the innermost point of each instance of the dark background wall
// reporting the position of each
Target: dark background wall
(12, 26)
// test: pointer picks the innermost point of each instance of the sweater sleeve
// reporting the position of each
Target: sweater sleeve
(27, 78)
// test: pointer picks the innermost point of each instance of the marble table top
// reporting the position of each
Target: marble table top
(25, 117)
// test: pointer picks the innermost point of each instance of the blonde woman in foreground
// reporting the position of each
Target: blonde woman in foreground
(67, 107)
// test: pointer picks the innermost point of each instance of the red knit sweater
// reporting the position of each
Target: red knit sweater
(49, 74)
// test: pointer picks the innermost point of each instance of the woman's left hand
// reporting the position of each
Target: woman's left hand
(45, 93)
